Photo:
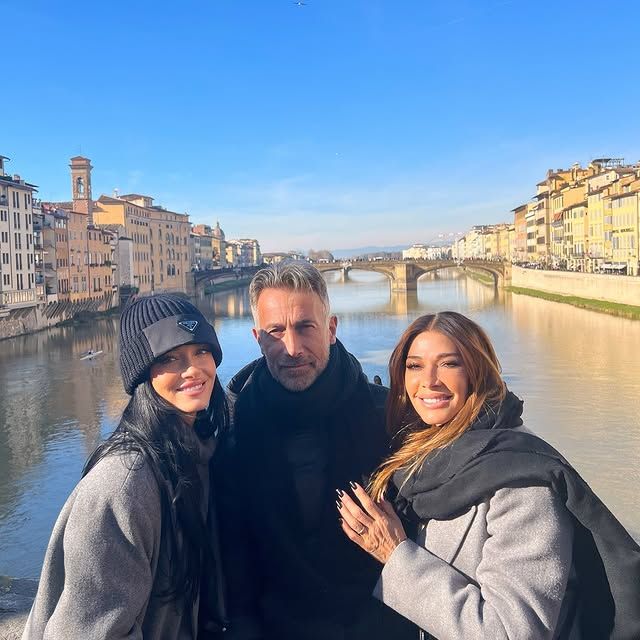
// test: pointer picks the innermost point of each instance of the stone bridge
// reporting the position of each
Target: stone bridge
(198, 280)
(404, 274)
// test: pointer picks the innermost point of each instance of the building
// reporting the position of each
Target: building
(17, 262)
(207, 247)
(415, 252)
(45, 254)
(158, 252)
(61, 258)
(275, 257)
(84, 252)
(625, 209)
(243, 253)
(519, 245)
(219, 246)
(195, 257)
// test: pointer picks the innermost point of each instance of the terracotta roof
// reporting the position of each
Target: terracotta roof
(134, 196)
(67, 206)
(110, 200)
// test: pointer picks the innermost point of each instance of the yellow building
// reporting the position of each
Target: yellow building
(160, 240)
(576, 236)
(78, 256)
(625, 221)
(519, 243)
(599, 232)
(496, 242)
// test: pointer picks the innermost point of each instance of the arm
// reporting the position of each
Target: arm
(110, 541)
(519, 584)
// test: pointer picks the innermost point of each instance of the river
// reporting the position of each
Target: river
(578, 371)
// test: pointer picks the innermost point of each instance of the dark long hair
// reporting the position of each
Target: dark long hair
(156, 430)
(486, 388)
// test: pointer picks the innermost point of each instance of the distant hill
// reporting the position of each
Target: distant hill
(360, 251)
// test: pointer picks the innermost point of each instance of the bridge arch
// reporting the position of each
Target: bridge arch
(404, 275)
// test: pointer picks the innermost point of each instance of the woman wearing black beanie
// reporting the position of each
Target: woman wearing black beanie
(134, 551)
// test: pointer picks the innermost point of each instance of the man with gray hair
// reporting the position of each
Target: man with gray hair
(305, 422)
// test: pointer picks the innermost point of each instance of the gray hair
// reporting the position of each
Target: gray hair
(289, 274)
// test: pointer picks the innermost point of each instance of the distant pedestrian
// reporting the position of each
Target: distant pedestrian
(377, 379)
(505, 539)
(134, 552)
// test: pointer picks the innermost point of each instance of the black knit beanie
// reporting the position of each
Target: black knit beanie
(152, 325)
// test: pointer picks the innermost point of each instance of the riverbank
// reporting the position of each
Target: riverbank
(16, 597)
(629, 311)
(28, 320)
(481, 277)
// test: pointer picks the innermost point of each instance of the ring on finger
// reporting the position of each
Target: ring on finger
(361, 530)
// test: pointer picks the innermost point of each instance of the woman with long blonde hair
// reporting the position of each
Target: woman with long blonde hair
(505, 538)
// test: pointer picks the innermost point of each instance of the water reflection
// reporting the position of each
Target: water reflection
(577, 371)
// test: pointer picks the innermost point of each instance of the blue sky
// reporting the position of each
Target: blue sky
(338, 124)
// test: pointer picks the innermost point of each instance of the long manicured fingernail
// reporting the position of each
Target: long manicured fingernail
(353, 485)
(339, 504)
(340, 492)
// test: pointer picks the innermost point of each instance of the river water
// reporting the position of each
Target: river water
(578, 371)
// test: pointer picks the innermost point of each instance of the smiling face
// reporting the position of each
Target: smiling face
(435, 380)
(184, 377)
(294, 332)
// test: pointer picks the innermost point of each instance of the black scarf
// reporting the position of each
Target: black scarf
(490, 456)
(340, 403)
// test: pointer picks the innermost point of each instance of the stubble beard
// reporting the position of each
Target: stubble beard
(300, 381)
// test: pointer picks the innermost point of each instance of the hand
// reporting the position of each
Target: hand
(373, 526)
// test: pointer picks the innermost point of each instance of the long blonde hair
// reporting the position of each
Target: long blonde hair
(419, 439)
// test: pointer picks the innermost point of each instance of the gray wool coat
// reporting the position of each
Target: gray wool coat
(103, 561)
(499, 571)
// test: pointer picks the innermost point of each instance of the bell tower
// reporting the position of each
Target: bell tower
(81, 186)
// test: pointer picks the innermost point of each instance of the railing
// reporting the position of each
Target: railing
(14, 298)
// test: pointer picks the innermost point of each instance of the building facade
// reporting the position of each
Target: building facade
(17, 260)
(159, 240)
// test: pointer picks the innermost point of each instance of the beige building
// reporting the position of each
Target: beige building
(575, 236)
(416, 252)
(17, 262)
(63, 274)
(519, 244)
(497, 246)
(219, 246)
(625, 207)
(44, 241)
(159, 240)
(243, 253)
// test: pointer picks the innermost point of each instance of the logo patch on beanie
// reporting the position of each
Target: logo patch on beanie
(188, 325)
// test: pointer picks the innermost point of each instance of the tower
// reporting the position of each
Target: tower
(81, 186)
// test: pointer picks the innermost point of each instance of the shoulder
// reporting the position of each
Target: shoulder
(121, 478)
(240, 380)
(539, 506)
(379, 395)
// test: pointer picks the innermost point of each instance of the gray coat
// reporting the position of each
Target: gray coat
(498, 571)
(103, 561)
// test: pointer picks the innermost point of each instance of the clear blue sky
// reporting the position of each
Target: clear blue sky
(338, 124)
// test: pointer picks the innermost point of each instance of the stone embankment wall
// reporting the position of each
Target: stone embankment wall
(621, 289)
(19, 322)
